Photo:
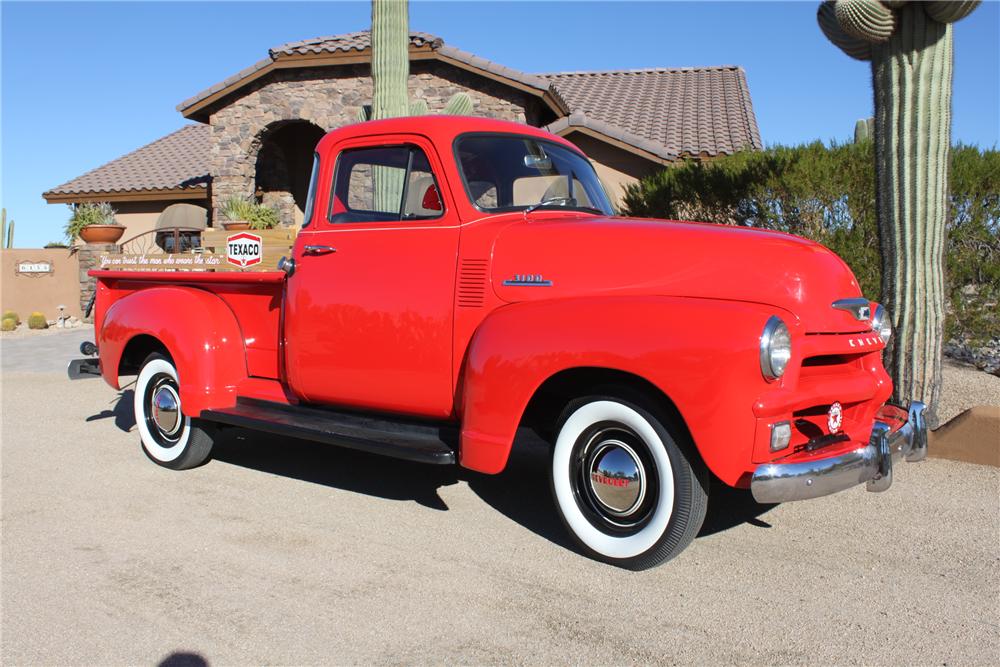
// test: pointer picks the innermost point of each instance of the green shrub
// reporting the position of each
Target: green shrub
(827, 193)
(263, 217)
(37, 321)
(258, 215)
(86, 214)
(237, 208)
(8, 324)
(10, 314)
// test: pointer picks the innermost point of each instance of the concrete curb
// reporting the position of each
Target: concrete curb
(972, 437)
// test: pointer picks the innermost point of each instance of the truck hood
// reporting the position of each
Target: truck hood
(558, 256)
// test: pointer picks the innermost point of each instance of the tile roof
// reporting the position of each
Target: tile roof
(667, 112)
(360, 42)
(351, 41)
(178, 161)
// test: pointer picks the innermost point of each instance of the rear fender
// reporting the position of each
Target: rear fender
(703, 354)
(199, 331)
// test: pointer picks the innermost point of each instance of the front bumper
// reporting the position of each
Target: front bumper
(897, 434)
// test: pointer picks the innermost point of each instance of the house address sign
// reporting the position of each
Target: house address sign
(34, 268)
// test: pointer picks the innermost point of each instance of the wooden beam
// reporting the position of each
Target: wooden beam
(617, 143)
(129, 196)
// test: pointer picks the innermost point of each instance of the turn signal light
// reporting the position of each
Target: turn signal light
(781, 435)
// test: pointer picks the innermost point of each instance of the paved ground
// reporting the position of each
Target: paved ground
(287, 552)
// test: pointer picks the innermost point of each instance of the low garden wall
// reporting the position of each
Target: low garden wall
(35, 279)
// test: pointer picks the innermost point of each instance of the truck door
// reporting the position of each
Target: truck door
(369, 307)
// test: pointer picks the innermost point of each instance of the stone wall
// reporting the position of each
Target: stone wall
(331, 97)
(89, 258)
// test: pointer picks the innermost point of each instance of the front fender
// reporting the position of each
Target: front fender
(702, 353)
(198, 329)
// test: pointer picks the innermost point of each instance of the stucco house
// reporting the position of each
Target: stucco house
(254, 132)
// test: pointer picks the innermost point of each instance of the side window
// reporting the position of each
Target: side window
(388, 183)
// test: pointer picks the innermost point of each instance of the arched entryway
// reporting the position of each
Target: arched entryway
(281, 176)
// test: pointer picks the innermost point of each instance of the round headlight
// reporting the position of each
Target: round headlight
(775, 348)
(881, 324)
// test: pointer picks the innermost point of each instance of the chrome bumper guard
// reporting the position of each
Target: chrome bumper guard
(83, 368)
(870, 464)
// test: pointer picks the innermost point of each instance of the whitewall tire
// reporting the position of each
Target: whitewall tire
(626, 491)
(169, 437)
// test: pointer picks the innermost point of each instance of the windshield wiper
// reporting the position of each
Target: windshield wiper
(551, 200)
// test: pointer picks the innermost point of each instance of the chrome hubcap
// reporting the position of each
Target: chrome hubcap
(166, 409)
(617, 478)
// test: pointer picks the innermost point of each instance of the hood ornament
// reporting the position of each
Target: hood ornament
(859, 307)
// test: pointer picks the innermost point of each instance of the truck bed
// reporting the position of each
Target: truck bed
(254, 297)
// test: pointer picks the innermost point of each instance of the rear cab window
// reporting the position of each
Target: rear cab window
(311, 194)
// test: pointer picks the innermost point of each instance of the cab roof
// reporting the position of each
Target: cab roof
(440, 129)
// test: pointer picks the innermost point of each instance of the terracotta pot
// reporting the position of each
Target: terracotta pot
(102, 233)
(235, 225)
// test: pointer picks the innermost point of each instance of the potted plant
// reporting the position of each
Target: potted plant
(243, 213)
(94, 223)
(237, 211)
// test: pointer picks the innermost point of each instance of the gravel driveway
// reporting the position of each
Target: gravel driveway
(286, 552)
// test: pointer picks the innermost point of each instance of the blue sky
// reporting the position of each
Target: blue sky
(83, 83)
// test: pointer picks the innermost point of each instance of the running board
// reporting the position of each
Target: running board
(401, 438)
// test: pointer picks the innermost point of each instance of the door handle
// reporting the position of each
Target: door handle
(318, 250)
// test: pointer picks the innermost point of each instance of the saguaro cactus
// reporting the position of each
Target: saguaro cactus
(390, 38)
(909, 45)
(390, 58)
(390, 74)
(7, 232)
(864, 130)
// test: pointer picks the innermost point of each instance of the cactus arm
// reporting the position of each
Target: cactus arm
(869, 20)
(419, 108)
(856, 48)
(949, 12)
(460, 104)
(10, 234)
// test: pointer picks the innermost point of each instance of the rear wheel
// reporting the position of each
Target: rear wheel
(170, 438)
(626, 491)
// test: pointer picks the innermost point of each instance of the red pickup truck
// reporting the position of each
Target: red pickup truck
(458, 278)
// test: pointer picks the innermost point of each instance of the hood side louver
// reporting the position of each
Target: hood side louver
(472, 276)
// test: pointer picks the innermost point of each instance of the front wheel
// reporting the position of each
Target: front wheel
(627, 493)
(170, 438)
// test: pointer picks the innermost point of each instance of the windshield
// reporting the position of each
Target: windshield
(505, 172)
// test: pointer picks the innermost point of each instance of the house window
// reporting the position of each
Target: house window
(384, 184)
